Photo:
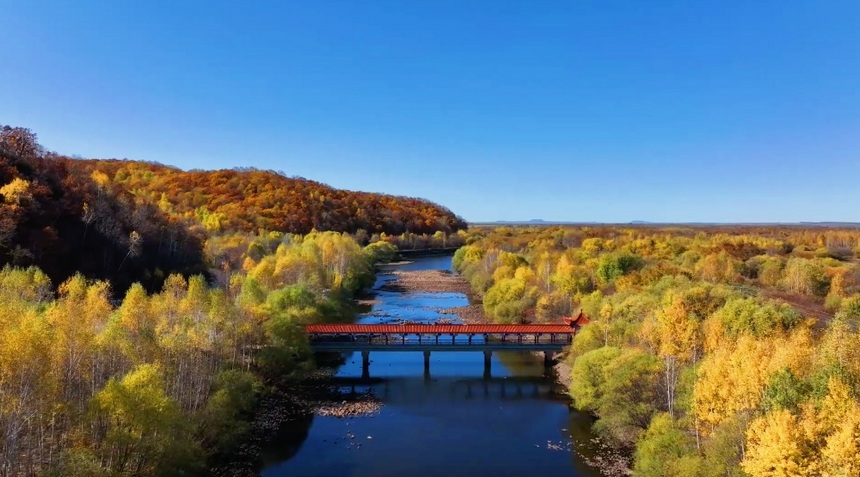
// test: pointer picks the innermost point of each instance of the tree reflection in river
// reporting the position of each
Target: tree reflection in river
(288, 441)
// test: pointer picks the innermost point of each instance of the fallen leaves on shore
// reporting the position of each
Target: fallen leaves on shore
(607, 459)
(472, 314)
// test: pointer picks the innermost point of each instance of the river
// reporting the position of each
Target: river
(454, 422)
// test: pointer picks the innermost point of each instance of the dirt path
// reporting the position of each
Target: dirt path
(809, 307)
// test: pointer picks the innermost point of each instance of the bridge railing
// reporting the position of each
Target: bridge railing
(394, 339)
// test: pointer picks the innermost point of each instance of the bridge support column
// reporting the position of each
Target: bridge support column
(488, 361)
(548, 359)
(426, 363)
(365, 364)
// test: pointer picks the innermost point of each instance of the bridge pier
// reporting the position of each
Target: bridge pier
(548, 359)
(365, 364)
(426, 363)
(488, 362)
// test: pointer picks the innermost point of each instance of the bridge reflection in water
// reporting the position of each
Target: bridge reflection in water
(490, 388)
(549, 339)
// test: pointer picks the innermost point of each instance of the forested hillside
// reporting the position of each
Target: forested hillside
(252, 200)
(127, 221)
(66, 222)
(711, 351)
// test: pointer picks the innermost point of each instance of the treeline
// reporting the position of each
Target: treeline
(127, 222)
(711, 352)
(250, 200)
(410, 241)
(155, 385)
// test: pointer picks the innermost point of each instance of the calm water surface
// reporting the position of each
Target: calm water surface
(454, 422)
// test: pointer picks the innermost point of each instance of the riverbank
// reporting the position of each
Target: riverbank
(313, 395)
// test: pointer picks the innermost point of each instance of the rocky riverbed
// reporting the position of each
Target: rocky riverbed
(426, 281)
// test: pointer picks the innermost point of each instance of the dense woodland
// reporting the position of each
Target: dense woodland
(128, 222)
(157, 384)
(711, 352)
(146, 309)
(66, 222)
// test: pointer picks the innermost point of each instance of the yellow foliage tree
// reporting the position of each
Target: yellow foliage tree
(16, 192)
(776, 447)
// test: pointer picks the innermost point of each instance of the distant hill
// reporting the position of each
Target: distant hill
(541, 222)
(536, 222)
(249, 200)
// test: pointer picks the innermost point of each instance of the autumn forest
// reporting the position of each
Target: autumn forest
(146, 310)
(719, 351)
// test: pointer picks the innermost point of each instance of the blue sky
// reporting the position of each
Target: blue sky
(586, 111)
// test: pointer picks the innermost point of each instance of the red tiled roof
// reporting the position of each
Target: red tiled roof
(581, 319)
(441, 329)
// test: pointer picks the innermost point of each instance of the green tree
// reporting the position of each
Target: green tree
(666, 451)
(724, 450)
(288, 352)
(784, 391)
(750, 316)
(613, 265)
(805, 276)
(588, 378)
(224, 419)
(621, 387)
(508, 299)
(139, 429)
(631, 395)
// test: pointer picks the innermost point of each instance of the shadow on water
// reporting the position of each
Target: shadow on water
(453, 421)
(288, 441)
(436, 390)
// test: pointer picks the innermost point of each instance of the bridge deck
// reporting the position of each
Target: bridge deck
(411, 337)
(549, 338)
(431, 346)
(430, 329)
